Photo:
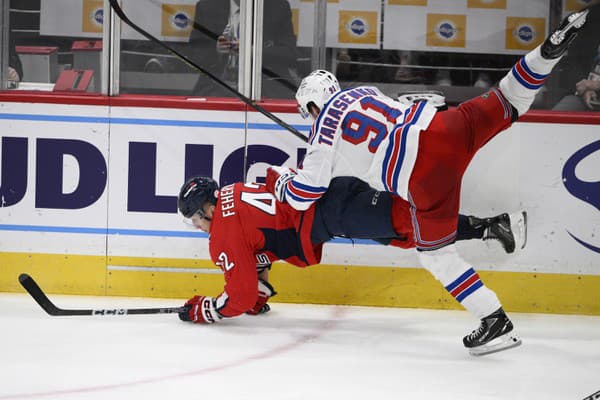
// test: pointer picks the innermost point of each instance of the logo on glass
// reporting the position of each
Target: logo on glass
(446, 30)
(358, 27)
(177, 20)
(181, 20)
(92, 16)
(99, 16)
(525, 33)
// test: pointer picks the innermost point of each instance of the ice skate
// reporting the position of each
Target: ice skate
(558, 42)
(434, 97)
(494, 334)
(509, 229)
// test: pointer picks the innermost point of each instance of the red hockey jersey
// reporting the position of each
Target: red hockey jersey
(250, 230)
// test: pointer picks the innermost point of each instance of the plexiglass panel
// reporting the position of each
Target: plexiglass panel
(55, 45)
(207, 32)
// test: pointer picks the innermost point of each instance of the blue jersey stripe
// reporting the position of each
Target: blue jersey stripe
(298, 198)
(308, 188)
(388, 155)
(403, 139)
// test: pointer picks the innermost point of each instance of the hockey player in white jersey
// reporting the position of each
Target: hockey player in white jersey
(419, 154)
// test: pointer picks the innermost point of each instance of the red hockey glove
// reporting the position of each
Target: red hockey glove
(200, 310)
(277, 178)
(265, 291)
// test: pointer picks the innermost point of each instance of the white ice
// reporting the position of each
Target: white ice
(294, 352)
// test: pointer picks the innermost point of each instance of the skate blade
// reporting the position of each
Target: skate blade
(578, 21)
(518, 224)
(504, 342)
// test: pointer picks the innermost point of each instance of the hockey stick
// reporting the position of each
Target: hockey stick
(40, 297)
(115, 6)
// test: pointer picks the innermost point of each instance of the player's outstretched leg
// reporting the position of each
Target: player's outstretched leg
(494, 334)
(528, 75)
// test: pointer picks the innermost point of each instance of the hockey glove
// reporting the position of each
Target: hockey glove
(265, 292)
(277, 179)
(200, 310)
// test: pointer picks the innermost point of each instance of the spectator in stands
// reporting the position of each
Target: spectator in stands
(215, 43)
(588, 90)
(15, 68)
(586, 95)
(408, 74)
(571, 85)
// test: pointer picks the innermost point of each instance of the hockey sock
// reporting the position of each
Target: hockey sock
(460, 280)
(525, 79)
(473, 295)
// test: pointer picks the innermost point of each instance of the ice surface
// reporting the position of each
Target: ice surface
(294, 352)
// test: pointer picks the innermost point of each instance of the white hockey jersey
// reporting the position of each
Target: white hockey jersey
(362, 133)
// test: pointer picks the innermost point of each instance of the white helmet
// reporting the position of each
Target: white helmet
(317, 88)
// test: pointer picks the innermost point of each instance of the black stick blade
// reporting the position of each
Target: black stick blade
(40, 297)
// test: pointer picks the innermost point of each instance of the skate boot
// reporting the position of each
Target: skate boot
(509, 229)
(558, 42)
(493, 335)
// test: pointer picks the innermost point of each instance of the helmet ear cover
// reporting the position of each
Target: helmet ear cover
(316, 88)
(196, 192)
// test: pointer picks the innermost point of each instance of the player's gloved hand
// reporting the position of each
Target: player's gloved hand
(200, 310)
(265, 291)
(277, 179)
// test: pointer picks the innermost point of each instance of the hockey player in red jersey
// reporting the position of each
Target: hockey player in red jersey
(249, 230)
(420, 154)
